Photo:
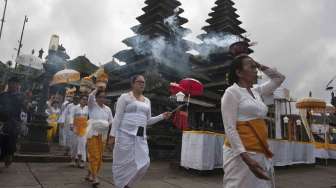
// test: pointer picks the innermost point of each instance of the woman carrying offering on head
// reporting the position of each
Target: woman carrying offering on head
(100, 118)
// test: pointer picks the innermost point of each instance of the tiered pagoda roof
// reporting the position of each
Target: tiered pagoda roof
(223, 19)
(139, 59)
(153, 25)
(161, 24)
(83, 65)
(213, 69)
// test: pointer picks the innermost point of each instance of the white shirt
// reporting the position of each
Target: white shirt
(61, 119)
(98, 113)
(79, 111)
(68, 113)
(238, 105)
(131, 114)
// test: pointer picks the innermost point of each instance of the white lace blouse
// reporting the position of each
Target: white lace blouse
(98, 113)
(131, 114)
(238, 105)
(79, 112)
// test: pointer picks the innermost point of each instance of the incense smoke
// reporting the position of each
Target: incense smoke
(172, 22)
(216, 43)
(173, 51)
(170, 50)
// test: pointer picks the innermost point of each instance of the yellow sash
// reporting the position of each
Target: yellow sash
(80, 124)
(253, 135)
(53, 117)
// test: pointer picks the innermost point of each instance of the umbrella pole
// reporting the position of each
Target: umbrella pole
(188, 103)
(310, 124)
(325, 136)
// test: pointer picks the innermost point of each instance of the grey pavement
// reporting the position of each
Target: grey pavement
(160, 175)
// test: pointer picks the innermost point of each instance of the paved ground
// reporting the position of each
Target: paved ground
(160, 175)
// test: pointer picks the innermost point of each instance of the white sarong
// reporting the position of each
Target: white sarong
(238, 175)
(72, 143)
(81, 146)
(62, 136)
(130, 159)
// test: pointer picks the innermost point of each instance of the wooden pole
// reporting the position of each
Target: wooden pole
(20, 42)
(290, 107)
(3, 18)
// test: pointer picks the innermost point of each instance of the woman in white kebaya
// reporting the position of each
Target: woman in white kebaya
(79, 123)
(130, 154)
(100, 118)
(246, 155)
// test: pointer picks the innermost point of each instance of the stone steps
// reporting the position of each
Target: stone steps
(56, 154)
(47, 158)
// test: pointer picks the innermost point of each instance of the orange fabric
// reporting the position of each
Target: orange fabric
(332, 146)
(52, 131)
(80, 124)
(53, 124)
(319, 145)
(180, 120)
(253, 135)
(95, 153)
(328, 146)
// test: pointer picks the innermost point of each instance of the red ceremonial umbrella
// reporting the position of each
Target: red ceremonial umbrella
(191, 86)
(175, 88)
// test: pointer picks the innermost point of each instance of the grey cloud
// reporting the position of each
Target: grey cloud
(296, 36)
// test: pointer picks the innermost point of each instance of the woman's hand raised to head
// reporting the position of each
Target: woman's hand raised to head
(261, 66)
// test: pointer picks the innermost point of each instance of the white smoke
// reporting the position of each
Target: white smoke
(172, 51)
(172, 22)
(216, 43)
(169, 51)
(221, 39)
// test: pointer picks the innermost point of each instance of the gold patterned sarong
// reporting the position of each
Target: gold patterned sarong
(80, 124)
(95, 153)
(53, 124)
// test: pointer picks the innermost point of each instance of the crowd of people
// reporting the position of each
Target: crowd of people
(81, 122)
(85, 124)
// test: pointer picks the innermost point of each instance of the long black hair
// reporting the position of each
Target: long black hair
(236, 64)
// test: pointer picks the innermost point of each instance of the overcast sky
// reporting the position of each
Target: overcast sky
(298, 37)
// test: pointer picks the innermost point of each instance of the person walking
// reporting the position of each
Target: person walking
(130, 153)
(246, 155)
